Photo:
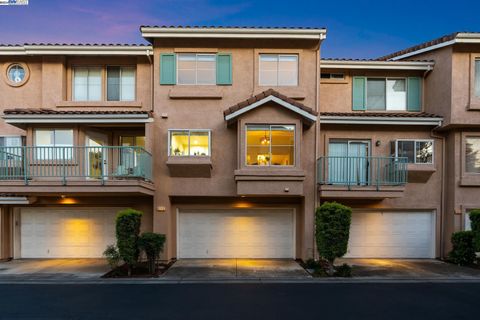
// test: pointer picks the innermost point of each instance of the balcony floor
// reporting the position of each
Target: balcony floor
(360, 192)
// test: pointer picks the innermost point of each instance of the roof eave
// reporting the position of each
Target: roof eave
(378, 65)
(426, 121)
(76, 50)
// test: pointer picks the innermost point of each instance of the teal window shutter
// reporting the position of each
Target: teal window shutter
(414, 94)
(224, 69)
(167, 68)
(358, 93)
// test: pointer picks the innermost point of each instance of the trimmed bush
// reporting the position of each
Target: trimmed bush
(332, 223)
(343, 271)
(127, 230)
(152, 244)
(463, 252)
(475, 222)
(112, 255)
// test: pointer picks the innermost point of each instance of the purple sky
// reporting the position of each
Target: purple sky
(356, 29)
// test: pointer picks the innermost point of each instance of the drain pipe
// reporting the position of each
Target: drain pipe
(317, 139)
(442, 192)
(152, 83)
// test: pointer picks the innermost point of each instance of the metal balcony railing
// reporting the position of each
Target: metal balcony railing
(362, 171)
(85, 162)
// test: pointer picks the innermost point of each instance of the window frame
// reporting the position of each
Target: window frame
(13, 148)
(120, 83)
(386, 95)
(189, 135)
(102, 82)
(464, 155)
(177, 56)
(415, 150)
(278, 55)
(69, 157)
(270, 145)
(331, 76)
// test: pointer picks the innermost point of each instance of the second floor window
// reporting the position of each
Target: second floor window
(196, 69)
(416, 151)
(87, 84)
(53, 143)
(278, 70)
(270, 145)
(120, 83)
(193, 142)
(11, 148)
(386, 94)
(477, 78)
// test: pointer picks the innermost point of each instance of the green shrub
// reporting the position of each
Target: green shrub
(127, 230)
(463, 252)
(112, 255)
(152, 244)
(475, 222)
(343, 271)
(332, 223)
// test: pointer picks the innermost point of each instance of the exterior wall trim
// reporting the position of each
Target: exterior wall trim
(76, 50)
(75, 118)
(381, 121)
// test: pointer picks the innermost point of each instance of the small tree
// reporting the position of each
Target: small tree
(112, 255)
(475, 222)
(463, 252)
(152, 244)
(332, 223)
(127, 230)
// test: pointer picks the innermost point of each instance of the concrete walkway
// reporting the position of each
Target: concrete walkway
(45, 269)
(412, 269)
(214, 269)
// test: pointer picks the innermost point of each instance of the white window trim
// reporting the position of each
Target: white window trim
(74, 69)
(196, 69)
(278, 64)
(415, 150)
(120, 84)
(189, 134)
(386, 95)
(270, 145)
(54, 130)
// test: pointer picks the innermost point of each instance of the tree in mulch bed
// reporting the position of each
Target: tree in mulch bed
(332, 230)
(463, 251)
(152, 244)
(475, 223)
(127, 231)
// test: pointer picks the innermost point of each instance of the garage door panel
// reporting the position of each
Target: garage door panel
(391, 235)
(66, 233)
(236, 234)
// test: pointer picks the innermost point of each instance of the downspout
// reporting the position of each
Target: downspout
(442, 192)
(317, 138)
(152, 84)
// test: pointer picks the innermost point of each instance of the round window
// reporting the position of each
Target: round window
(16, 73)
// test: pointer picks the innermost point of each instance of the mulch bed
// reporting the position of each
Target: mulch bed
(139, 271)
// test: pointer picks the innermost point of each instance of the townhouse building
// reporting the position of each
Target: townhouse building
(229, 138)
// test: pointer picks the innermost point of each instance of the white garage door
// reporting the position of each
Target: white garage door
(236, 234)
(392, 235)
(66, 233)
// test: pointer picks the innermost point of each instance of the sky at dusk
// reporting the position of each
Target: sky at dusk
(356, 29)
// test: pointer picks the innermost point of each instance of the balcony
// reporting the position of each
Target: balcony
(361, 177)
(85, 169)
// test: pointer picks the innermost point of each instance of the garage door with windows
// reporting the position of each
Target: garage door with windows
(392, 235)
(66, 232)
(258, 233)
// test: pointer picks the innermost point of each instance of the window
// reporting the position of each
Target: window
(196, 69)
(278, 70)
(11, 148)
(120, 83)
(386, 94)
(189, 142)
(16, 73)
(416, 151)
(472, 154)
(270, 145)
(477, 78)
(87, 84)
(332, 76)
(53, 143)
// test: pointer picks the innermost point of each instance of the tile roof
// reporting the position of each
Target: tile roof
(264, 94)
(42, 111)
(231, 27)
(380, 114)
(426, 44)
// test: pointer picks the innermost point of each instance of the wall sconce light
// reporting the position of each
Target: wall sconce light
(378, 143)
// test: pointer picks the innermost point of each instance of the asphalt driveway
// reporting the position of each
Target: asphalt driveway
(46, 269)
(205, 269)
(415, 269)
